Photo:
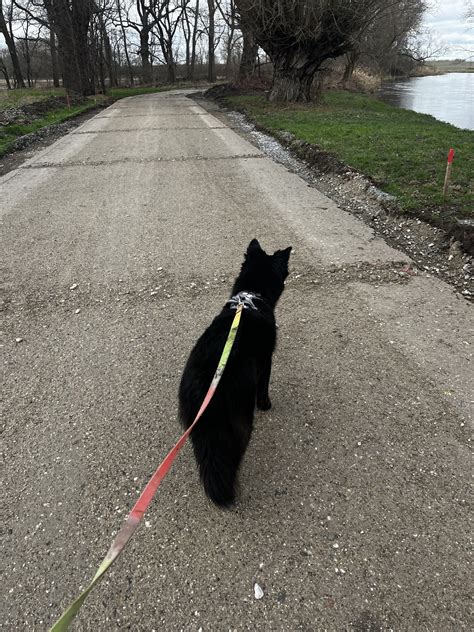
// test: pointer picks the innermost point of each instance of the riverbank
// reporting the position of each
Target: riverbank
(449, 65)
(403, 153)
(434, 68)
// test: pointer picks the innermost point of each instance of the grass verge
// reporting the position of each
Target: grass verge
(10, 133)
(23, 96)
(404, 153)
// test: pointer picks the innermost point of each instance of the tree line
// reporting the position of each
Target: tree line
(90, 45)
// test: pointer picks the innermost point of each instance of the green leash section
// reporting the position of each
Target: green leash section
(63, 622)
(134, 517)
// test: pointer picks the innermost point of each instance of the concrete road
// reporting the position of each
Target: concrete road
(120, 244)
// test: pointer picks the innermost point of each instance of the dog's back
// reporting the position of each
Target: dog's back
(222, 434)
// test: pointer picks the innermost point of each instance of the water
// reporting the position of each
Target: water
(449, 97)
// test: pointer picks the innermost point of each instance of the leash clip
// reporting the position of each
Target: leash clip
(243, 298)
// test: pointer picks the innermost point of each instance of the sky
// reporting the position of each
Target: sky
(449, 28)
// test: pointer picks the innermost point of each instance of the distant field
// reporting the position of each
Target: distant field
(12, 98)
(448, 65)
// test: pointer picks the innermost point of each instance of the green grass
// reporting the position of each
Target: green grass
(403, 152)
(22, 96)
(10, 133)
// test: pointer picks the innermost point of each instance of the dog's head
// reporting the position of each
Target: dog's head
(262, 273)
(276, 263)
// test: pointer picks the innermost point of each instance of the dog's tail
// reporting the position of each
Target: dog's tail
(218, 456)
(218, 480)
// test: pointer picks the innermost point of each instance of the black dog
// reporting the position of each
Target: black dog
(222, 434)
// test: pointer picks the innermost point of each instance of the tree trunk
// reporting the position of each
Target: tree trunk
(352, 58)
(27, 57)
(167, 50)
(145, 56)
(125, 48)
(248, 60)
(70, 22)
(211, 67)
(54, 58)
(289, 87)
(293, 74)
(10, 42)
(194, 40)
(4, 71)
(186, 28)
(109, 62)
(188, 60)
(229, 47)
(171, 73)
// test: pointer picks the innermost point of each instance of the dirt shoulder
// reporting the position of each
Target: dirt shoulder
(432, 249)
(24, 146)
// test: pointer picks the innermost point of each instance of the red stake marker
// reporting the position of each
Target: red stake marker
(447, 177)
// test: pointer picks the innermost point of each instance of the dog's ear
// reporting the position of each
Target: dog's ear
(254, 247)
(284, 255)
(280, 261)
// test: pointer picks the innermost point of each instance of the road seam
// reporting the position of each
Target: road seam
(120, 161)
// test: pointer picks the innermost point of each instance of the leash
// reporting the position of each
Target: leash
(134, 517)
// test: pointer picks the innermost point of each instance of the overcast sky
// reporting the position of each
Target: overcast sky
(449, 28)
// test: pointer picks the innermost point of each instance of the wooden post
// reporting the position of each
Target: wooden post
(447, 177)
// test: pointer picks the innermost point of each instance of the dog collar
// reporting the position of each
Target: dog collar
(243, 298)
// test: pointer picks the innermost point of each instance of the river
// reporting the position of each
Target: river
(448, 97)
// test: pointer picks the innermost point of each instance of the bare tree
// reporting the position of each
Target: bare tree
(167, 18)
(6, 19)
(211, 57)
(35, 11)
(104, 13)
(228, 13)
(4, 71)
(300, 35)
(248, 60)
(53, 50)
(70, 21)
(144, 10)
(155, 17)
(186, 28)
(123, 32)
(391, 42)
(30, 40)
(194, 40)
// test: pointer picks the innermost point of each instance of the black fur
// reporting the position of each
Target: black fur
(221, 436)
